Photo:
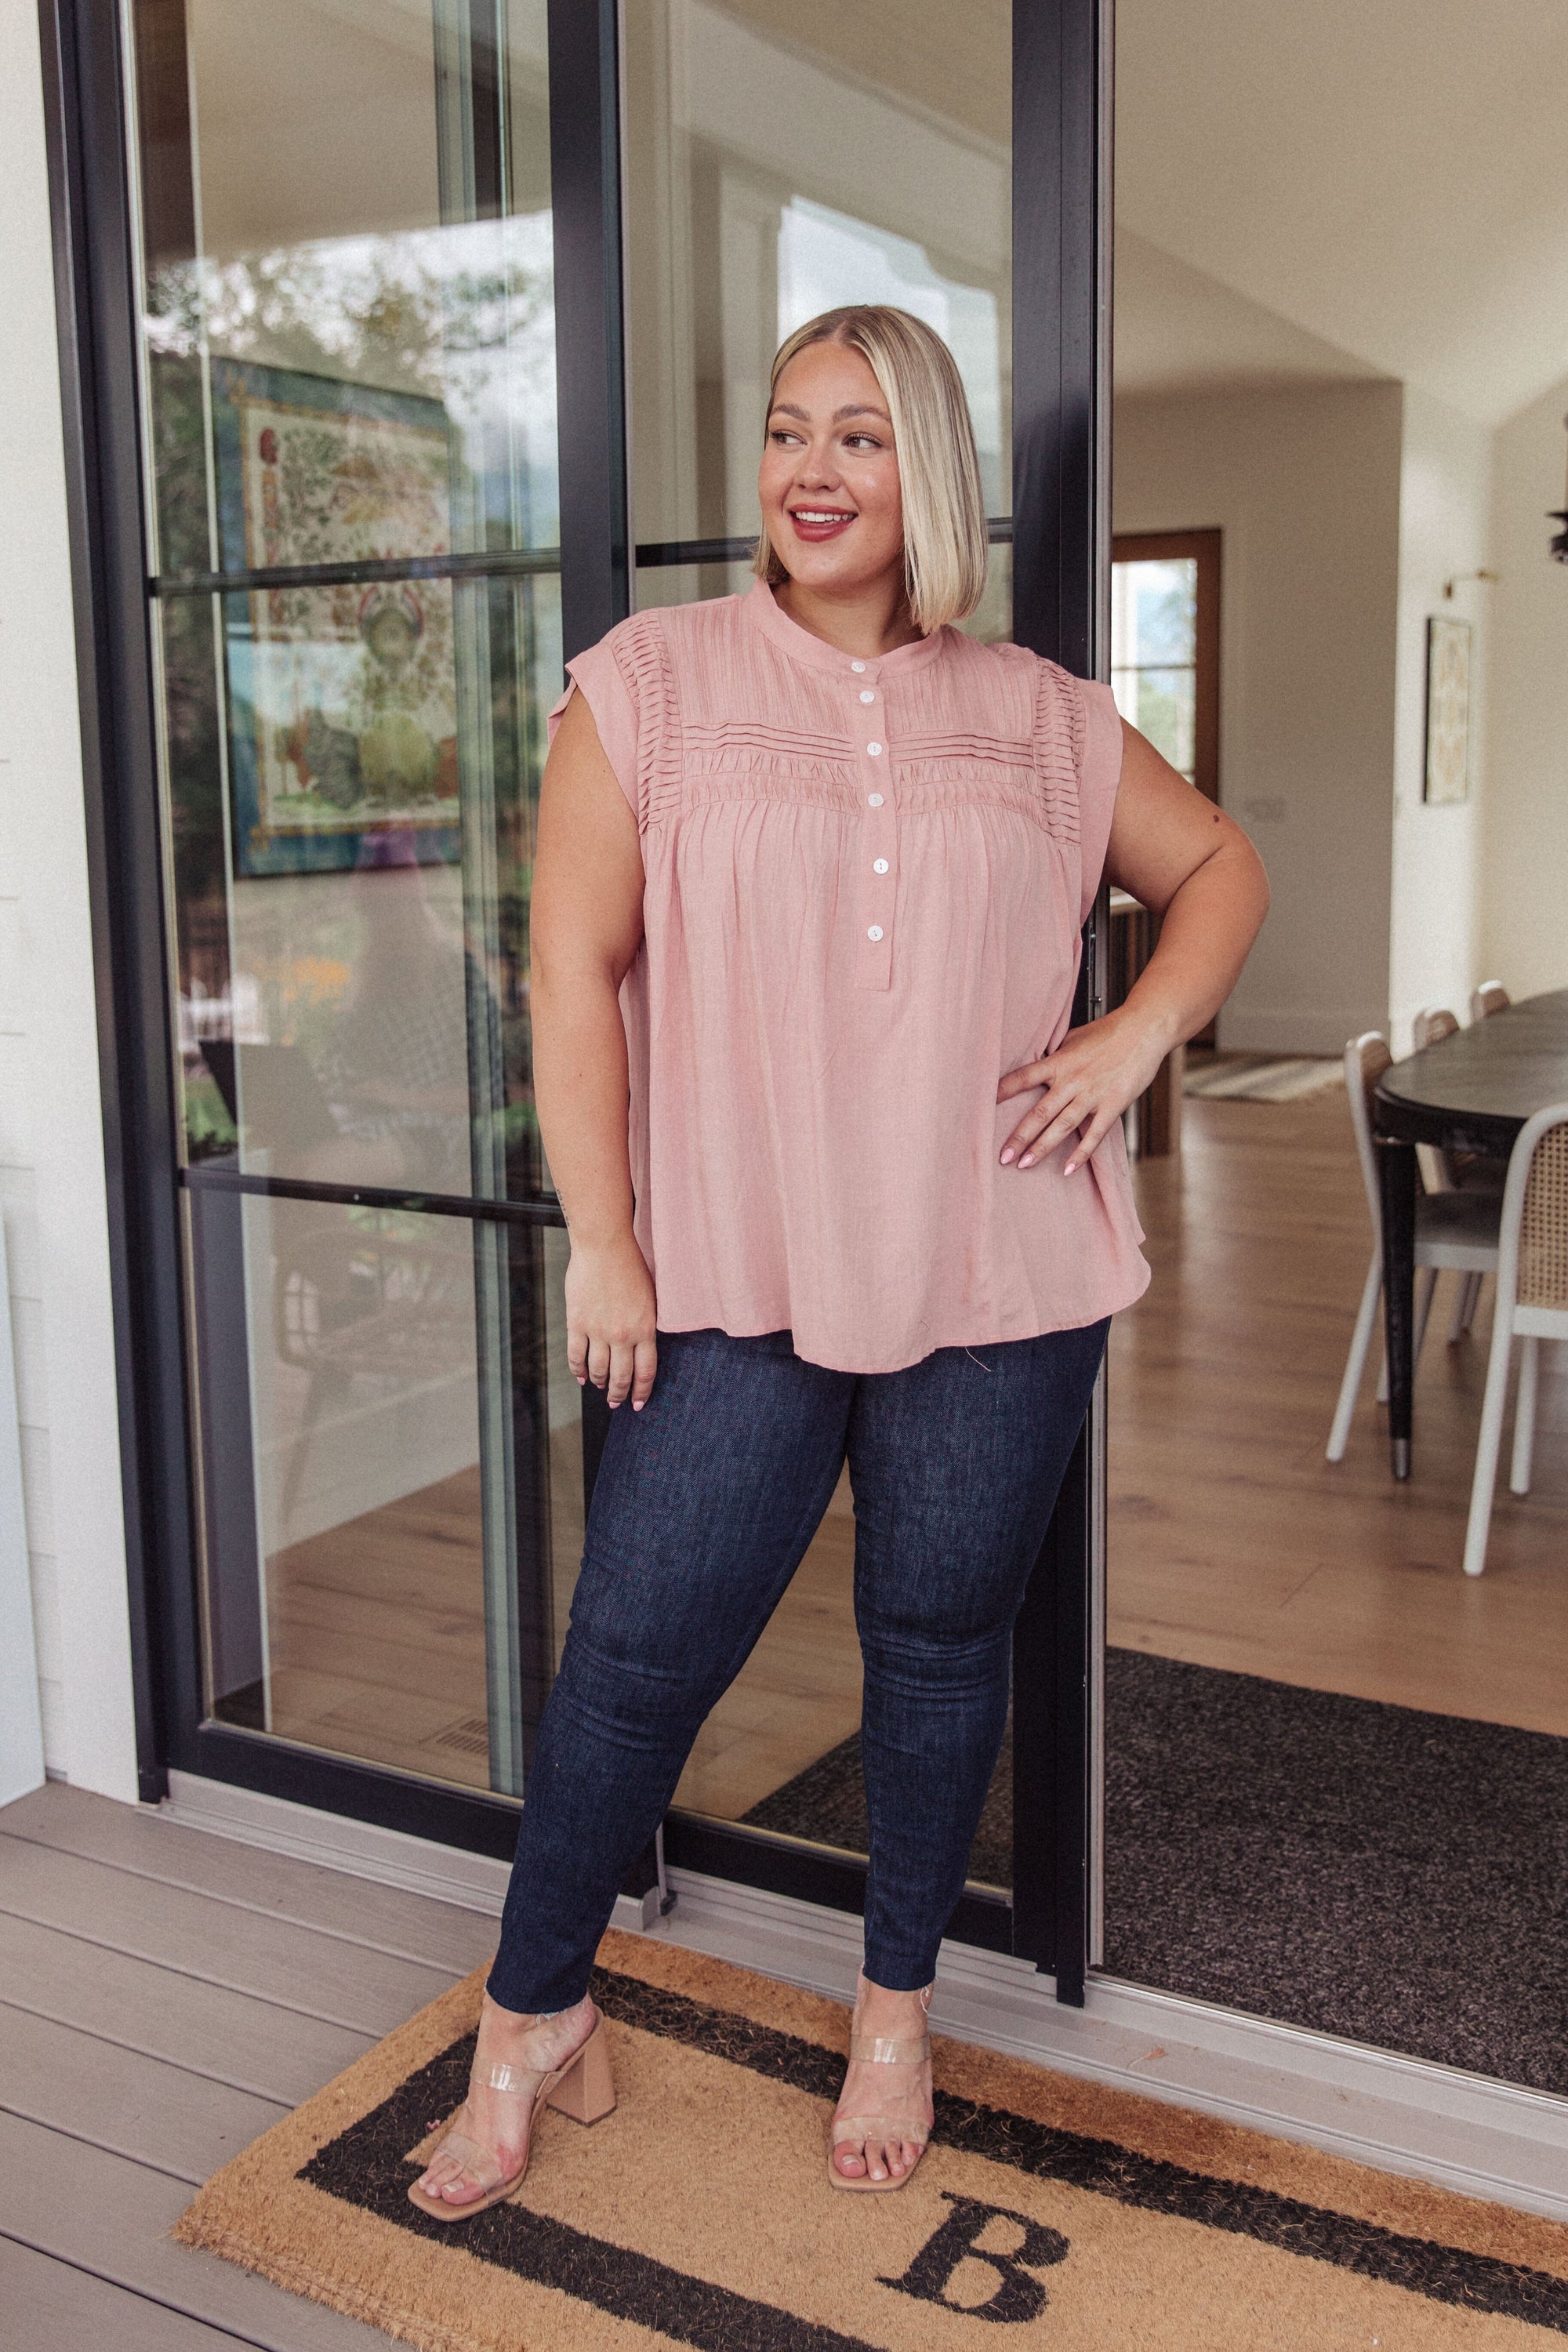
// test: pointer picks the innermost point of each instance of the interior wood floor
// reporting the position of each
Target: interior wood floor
(377, 1648)
(164, 1995)
(1233, 1542)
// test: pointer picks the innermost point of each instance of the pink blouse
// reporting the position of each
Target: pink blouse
(865, 883)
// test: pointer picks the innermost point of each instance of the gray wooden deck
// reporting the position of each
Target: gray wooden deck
(164, 1995)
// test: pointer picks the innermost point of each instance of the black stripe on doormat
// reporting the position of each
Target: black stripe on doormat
(365, 2166)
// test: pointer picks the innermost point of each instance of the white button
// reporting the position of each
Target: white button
(875, 932)
(873, 800)
(856, 665)
(867, 695)
(878, 865)
(873, 749)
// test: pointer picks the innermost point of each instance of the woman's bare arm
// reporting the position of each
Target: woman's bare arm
(587, 926)
(1186, 862)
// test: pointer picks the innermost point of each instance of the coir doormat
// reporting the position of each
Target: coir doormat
(1048, 2212)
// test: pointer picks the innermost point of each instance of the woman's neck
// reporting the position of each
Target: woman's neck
(868, 621)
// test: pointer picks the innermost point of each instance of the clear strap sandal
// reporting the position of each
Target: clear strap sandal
(878, 2050)
(582, 2087)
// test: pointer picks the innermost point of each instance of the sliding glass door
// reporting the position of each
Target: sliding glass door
(385, 442)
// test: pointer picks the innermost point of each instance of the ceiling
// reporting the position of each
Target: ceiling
(1333, 189)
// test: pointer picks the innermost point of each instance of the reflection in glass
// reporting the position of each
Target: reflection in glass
(351, 1600)
(349, 344)
(779, 166)
(1153, 653)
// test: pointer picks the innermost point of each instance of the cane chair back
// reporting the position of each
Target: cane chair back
(1532, 1305)
(1490, 997)
(1543, 1225)
(1431, 1025)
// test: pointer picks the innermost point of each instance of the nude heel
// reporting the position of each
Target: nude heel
(587, 2090)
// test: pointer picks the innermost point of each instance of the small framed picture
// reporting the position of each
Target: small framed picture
(1447, 776)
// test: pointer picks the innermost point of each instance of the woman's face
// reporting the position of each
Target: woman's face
(829, 477)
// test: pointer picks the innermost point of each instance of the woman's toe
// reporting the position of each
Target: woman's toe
(849, 2160)
(876, 2159)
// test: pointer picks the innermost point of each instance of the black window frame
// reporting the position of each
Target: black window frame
(1059, 534)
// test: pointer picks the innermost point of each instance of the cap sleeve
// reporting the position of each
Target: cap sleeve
(597, 675)
(1100, 773)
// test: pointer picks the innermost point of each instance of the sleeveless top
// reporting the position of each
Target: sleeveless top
(865, 881)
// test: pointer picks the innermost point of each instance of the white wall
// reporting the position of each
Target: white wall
(51, 1136)
(1524, 911)
(1444, 530)
(1304, 484)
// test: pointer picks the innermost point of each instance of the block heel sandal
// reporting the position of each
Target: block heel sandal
(583, 2088)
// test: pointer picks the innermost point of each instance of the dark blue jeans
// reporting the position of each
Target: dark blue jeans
(704, 1504)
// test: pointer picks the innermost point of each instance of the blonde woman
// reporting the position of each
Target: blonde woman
(840, 1181)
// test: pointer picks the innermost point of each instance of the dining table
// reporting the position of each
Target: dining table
(1471, 1093)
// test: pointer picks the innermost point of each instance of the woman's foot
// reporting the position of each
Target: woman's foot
(890, 2097)
(487, 2141)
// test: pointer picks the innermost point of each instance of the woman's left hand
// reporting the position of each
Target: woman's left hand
(1090, 1080)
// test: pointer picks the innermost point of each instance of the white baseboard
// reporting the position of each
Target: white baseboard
(1463, 2132)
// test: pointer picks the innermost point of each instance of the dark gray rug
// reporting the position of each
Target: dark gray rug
(1397, 1877)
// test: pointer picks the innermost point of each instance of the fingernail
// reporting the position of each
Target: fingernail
(1028, 1161)
(582, 1379)
(1008, 1155)
(1071, 1166)
(638, 1403)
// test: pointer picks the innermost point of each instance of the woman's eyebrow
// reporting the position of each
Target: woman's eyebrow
(855, 408)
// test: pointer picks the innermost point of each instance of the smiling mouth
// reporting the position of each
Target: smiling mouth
(821, 523)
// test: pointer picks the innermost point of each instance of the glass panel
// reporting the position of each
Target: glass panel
(1153, 652)
(782, 160)
(352, 1600)
(349, 338)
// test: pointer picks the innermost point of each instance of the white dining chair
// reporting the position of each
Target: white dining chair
(1532, 1305)
(1455, 1232)
(1438, 1173)
(1490, 997)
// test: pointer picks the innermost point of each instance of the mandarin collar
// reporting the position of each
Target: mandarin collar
(763, 610)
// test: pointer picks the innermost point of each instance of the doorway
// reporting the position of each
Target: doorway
(1336, 1775)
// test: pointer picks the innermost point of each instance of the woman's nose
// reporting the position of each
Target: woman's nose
(817, 470)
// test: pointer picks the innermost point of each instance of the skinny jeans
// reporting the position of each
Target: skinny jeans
(704, 1504)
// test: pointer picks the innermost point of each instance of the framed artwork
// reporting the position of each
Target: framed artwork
(342, 698)
(1448, 777)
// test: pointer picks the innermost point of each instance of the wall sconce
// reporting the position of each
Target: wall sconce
(1560, 544)
(1490, 578)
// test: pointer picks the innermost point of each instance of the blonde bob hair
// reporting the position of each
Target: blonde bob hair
(939, 471)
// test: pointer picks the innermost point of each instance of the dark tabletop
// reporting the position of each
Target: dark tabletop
(1484, 1082)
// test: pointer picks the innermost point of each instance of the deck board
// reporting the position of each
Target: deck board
(105, 2215)
(46, 2303)
(136, 1837)
(248, 1949)
(230, 2036)
(136, 2106)
(150, 2027)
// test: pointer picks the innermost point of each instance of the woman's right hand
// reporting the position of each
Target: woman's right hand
(610, 1320)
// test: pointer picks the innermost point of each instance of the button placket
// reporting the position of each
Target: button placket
(878, 861)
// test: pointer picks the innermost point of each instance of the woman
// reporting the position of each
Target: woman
(840, 1182)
